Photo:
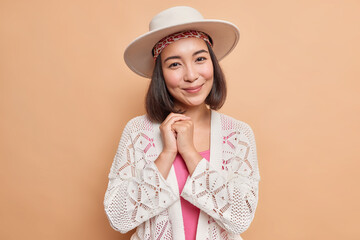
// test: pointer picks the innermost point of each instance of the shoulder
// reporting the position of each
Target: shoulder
(230, 123)
(239, 132)
(139, 123)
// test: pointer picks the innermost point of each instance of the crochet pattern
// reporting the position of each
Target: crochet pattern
(224, 189)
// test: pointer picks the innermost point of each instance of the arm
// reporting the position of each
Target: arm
(136, 190)
(231, 198)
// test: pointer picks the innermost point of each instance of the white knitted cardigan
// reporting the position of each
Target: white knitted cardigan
(224, 189)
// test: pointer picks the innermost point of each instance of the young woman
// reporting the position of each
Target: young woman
(183, 170)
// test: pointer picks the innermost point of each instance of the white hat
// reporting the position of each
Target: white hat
(138, 55)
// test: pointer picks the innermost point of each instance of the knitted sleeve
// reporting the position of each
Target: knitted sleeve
(136, 190)
(229, 195)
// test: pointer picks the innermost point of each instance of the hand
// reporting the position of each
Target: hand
(184, 130)
(169, 134)
(185, 143)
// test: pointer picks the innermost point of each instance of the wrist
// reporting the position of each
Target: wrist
(187, 150)
(168, 154)
(164, 162)
(189, 154)
(191, 159)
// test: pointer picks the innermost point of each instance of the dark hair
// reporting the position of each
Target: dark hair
(159, 103)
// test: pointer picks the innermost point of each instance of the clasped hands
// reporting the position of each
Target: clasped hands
(177, 132)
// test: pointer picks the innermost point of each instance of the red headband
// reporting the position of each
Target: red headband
(160, 45)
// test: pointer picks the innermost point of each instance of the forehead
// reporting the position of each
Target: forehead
(186, 46)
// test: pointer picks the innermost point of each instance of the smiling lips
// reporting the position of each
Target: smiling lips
(193, 89)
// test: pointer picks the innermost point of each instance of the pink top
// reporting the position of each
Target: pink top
(190, 212)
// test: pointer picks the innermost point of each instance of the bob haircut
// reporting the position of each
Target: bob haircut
(159, 103)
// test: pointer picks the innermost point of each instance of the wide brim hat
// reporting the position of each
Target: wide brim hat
(138, 55)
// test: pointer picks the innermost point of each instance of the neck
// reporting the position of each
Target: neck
(198, 113)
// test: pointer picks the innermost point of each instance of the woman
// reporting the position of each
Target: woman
(183, 170)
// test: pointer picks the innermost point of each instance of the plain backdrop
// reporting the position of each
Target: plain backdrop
(66, 94)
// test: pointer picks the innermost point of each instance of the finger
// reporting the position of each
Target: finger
(181, 125)
(172, 119)
(172, 115)
(174, 132)
(183, 122)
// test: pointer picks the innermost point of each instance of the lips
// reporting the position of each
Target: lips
(194, 89)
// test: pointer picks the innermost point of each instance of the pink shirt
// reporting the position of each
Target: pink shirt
(190, 212)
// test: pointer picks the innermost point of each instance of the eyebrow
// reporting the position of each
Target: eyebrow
(194, 54)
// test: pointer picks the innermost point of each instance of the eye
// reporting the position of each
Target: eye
(200, 59)
(173, 65)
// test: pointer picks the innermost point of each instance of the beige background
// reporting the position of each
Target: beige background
(66, 94)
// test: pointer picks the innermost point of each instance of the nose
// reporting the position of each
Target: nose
(191, 74)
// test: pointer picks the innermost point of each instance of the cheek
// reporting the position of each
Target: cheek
(208, 71)
(171, 78)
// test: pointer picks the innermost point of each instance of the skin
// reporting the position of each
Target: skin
(188, 74)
